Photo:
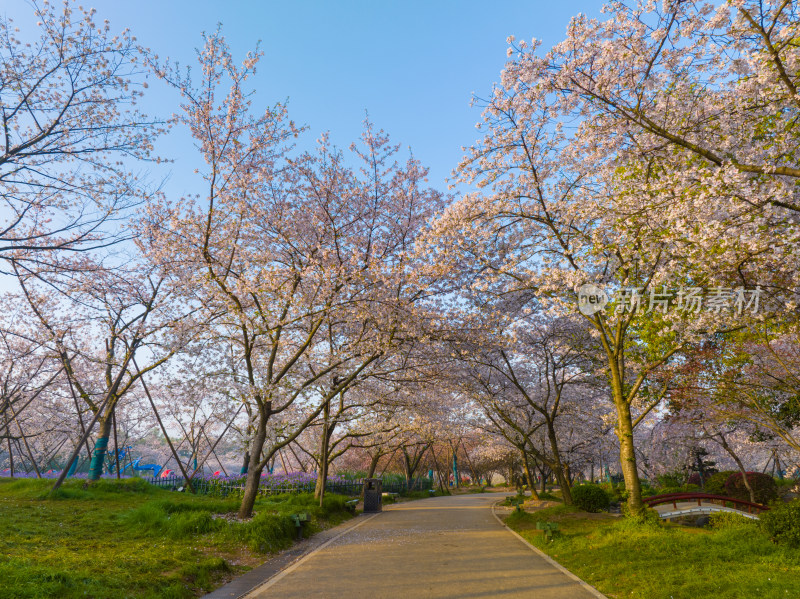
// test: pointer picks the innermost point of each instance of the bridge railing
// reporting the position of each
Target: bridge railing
(674, 498)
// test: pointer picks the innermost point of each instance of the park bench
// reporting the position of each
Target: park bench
(299, 521)
(350, 506)
(391, 495)
(432, 492)
(550, 529)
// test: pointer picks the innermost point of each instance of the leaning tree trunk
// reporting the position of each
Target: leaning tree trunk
(255, 467)
(740, 465)
(373, 464)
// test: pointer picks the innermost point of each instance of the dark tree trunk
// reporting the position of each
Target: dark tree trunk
(373, 464)
(529, 475)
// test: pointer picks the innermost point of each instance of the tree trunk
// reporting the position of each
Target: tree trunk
(700, 468)
(116, 445)
(558, 466)
(438, 470)
(10, 456)
(373, 464)
(529, 476)
(253, 471)
(777, 464)
(740, 465)
(627, 459)
(100, 447)
(324, 444)
(245, 462)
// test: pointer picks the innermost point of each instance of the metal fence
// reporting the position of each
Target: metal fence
(224, 488)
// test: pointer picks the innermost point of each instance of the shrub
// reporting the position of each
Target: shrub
(782, 523)
(694, 479)
(763, 485)
(670, 480)
(715, 484)
(647, 490)
(265, 532)
(184, 525)
(590, 498)
(648, 518)
(727, 520)
(617, 493)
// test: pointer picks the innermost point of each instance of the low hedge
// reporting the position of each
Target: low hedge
(590, 498)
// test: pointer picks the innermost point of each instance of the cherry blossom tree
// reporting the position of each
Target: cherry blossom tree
(695, 103)
(300, 257)
(70, 134)
(531, 372)
(95, 334)
(575, 190)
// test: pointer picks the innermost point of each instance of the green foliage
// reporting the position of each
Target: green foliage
(763, 485)
(670, 480)
(648, 490)
(715, 484)
(648, 517)
(555, 514)
(782, 523)
(680, 489)
(115, 538)
(590, 498)
(187, 525)
(616, 492)
(726, 520)
(32, 488)
(623, 559)
(265, 532)
(352, 474)
(422, 494)
(547, 496)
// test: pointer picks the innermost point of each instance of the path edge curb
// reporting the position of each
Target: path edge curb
(549, 559)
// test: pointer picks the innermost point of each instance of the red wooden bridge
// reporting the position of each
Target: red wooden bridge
(674, 505)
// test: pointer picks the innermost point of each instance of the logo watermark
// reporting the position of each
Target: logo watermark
(591, 299)
(717, 300)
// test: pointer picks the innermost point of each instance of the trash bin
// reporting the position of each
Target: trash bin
(373, 489)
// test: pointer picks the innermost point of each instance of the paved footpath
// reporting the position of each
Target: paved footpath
(442, 547)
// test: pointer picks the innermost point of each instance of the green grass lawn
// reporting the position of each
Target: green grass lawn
(624, 560)
(129, 539)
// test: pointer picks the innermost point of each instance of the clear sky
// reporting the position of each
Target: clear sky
(413, 65)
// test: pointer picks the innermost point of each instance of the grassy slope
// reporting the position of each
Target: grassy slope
(128, 539)
(622, 559)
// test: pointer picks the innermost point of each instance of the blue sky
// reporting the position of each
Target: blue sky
(413, 65)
